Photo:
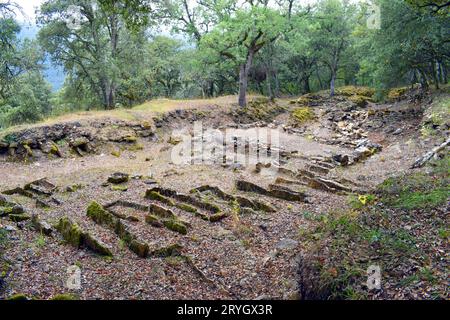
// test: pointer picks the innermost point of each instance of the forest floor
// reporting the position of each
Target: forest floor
(304, 221)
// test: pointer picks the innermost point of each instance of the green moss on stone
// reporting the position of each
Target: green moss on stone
(217, 217)
(71, 232)
(141, 249)
(95, 245)
(169, 251)
(64, 296)
(19, 217)
(119, 188)
(97, 213)
(153, 220)
(186, 207)
(153, 195)
(161, 211)
(302, 115)
(28, 150)
(18, 297)
(4, 211)
(175, 225)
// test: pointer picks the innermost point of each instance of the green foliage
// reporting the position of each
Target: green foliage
(18, 297)
(117, 60)
(302, 115)
(360, 201)
(3, 236)
(64, 296)
(24, 94)
(9, 57)
(29, 103)
(40, 241)
(403, 49)
(421, 200)
(419, 190)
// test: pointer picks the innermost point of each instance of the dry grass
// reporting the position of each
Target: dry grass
(141, 112)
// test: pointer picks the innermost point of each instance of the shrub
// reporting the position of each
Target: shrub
(302, 115)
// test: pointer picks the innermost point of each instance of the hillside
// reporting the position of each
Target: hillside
(121, 196)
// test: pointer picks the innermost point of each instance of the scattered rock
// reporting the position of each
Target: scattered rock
(286, 193)
(95, 245)
(119, 188)
(74, 188)
(118, 178)
(41, 186)
(154, 221)
(102, 217)
(175, 225)
(97, 213)
(10, 228)
(19, 217)
(287, 243)
(275, 191)
(187, 199)
(161, 211)
(70, 231)
(243, 185)
(41, 226)
(342, 159)
(398, 131)
(169, 251)
(79, 142)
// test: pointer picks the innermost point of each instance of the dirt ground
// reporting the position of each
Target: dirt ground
(249, 254)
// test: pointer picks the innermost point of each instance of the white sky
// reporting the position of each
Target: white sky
(28, 7)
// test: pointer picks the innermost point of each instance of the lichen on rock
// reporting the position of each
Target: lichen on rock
(169, 251)
(175, 225)
(118, 178)
(19, 217)
(70, 231)
(154, 221)
(153, 195)
(97, 213)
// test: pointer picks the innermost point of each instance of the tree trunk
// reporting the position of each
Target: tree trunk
(306, 86)
(243, 78)
(269, 86)
(425, 158)
(332, 83)
(319, 78)
(439, 71)
(423, 80)
(211, 89)
(277, 85)
(114, 34)
(444, 72)
(112, 97)
(435, 71)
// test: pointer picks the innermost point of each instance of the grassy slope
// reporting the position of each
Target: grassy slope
(403, 228)
(141, 112)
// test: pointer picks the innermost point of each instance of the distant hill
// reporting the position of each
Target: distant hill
(54, 74)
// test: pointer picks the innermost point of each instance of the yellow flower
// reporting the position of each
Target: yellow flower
(362, 199)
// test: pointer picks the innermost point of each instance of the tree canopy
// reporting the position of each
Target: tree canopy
(121, 53)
